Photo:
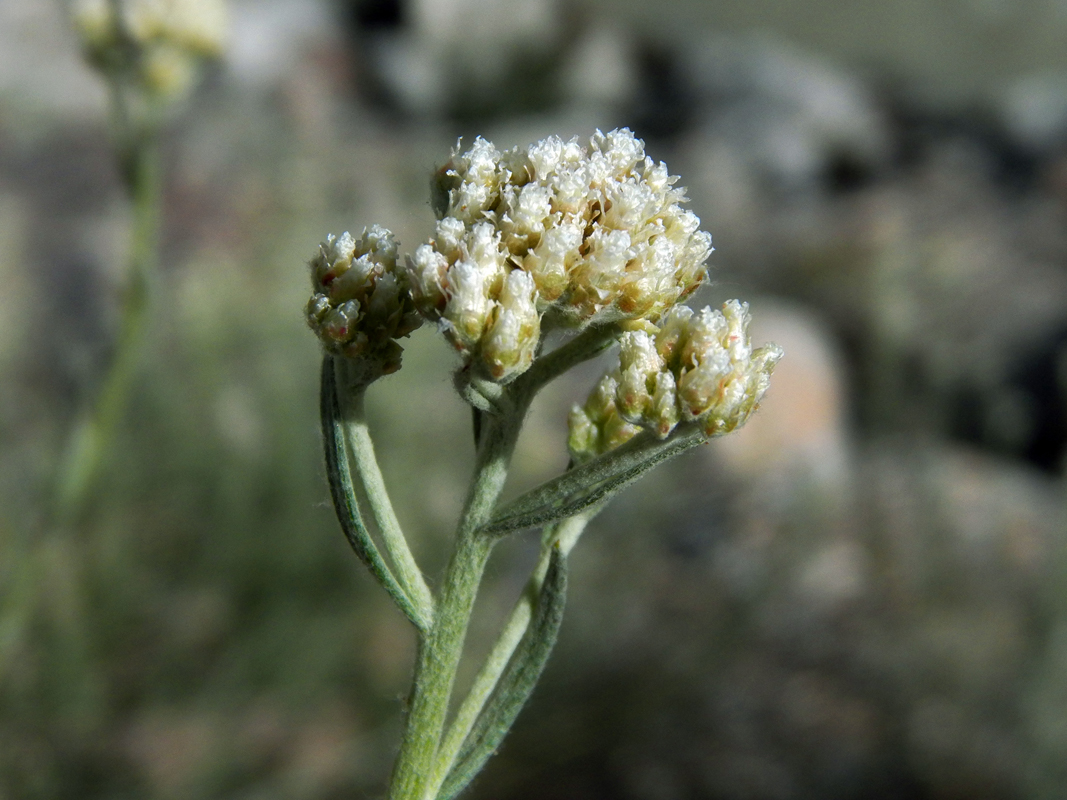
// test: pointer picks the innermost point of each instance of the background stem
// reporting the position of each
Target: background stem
(89, 439)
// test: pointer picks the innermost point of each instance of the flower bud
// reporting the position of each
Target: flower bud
(672, 332)
(721, 380)
(639, 365)
(472, 181)
(360, 303)
(552, 259)
(664, 408)
(694, 367)
(426, 270)
(509, 346)
(597, 427)
(467, 312)
(584, 439)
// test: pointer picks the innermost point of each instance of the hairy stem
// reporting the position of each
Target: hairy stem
(588, 344)
(361, 447)
(345, 502)
(565, 534)
(440, 651)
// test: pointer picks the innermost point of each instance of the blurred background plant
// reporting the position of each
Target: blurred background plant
(148, 52)
(861, 595)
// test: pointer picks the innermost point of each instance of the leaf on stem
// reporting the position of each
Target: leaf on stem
(593, 482)
(516, 684)
(339, 473)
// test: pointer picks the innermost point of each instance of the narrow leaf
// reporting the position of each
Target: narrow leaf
(594, 482)
(517, 682)
(339, 474)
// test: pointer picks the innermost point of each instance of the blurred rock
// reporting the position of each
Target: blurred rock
(269, 39)
(790, 117)
(601, 69)
(1034, 111)
(802, 425)
(42, 74)
(430, 59)
(943, 283)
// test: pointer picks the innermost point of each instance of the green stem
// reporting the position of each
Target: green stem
(594, 482)
(565, 534)
(361, 448)
(345, 502)
(88, 441)
(440, 651)
(516, 684)
(586, 345)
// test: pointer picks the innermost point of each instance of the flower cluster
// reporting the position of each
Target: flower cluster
(693, 366)
(485, 306)
(157, 43)
(596, 427)
(360, 305)
(556, 235)
(592, 234)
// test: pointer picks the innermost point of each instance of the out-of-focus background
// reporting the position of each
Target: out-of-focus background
(861, 595)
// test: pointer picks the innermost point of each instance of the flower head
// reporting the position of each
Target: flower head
(360, 304)
(693, 366)
(598, 229)
(597, 427)
(156, 42)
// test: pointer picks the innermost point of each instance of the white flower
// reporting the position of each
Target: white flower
(599, 228)
(552, 260)
(479, 186)
(467, 312)
(158, 42)
(427, 269)
(694, 367)
(511, 341)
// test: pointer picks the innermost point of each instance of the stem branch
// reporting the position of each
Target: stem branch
(565, 534)
(361, 448)
(345, 502)
(440, 651)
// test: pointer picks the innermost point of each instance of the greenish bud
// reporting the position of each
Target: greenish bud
(597, 427)
(360, 304)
